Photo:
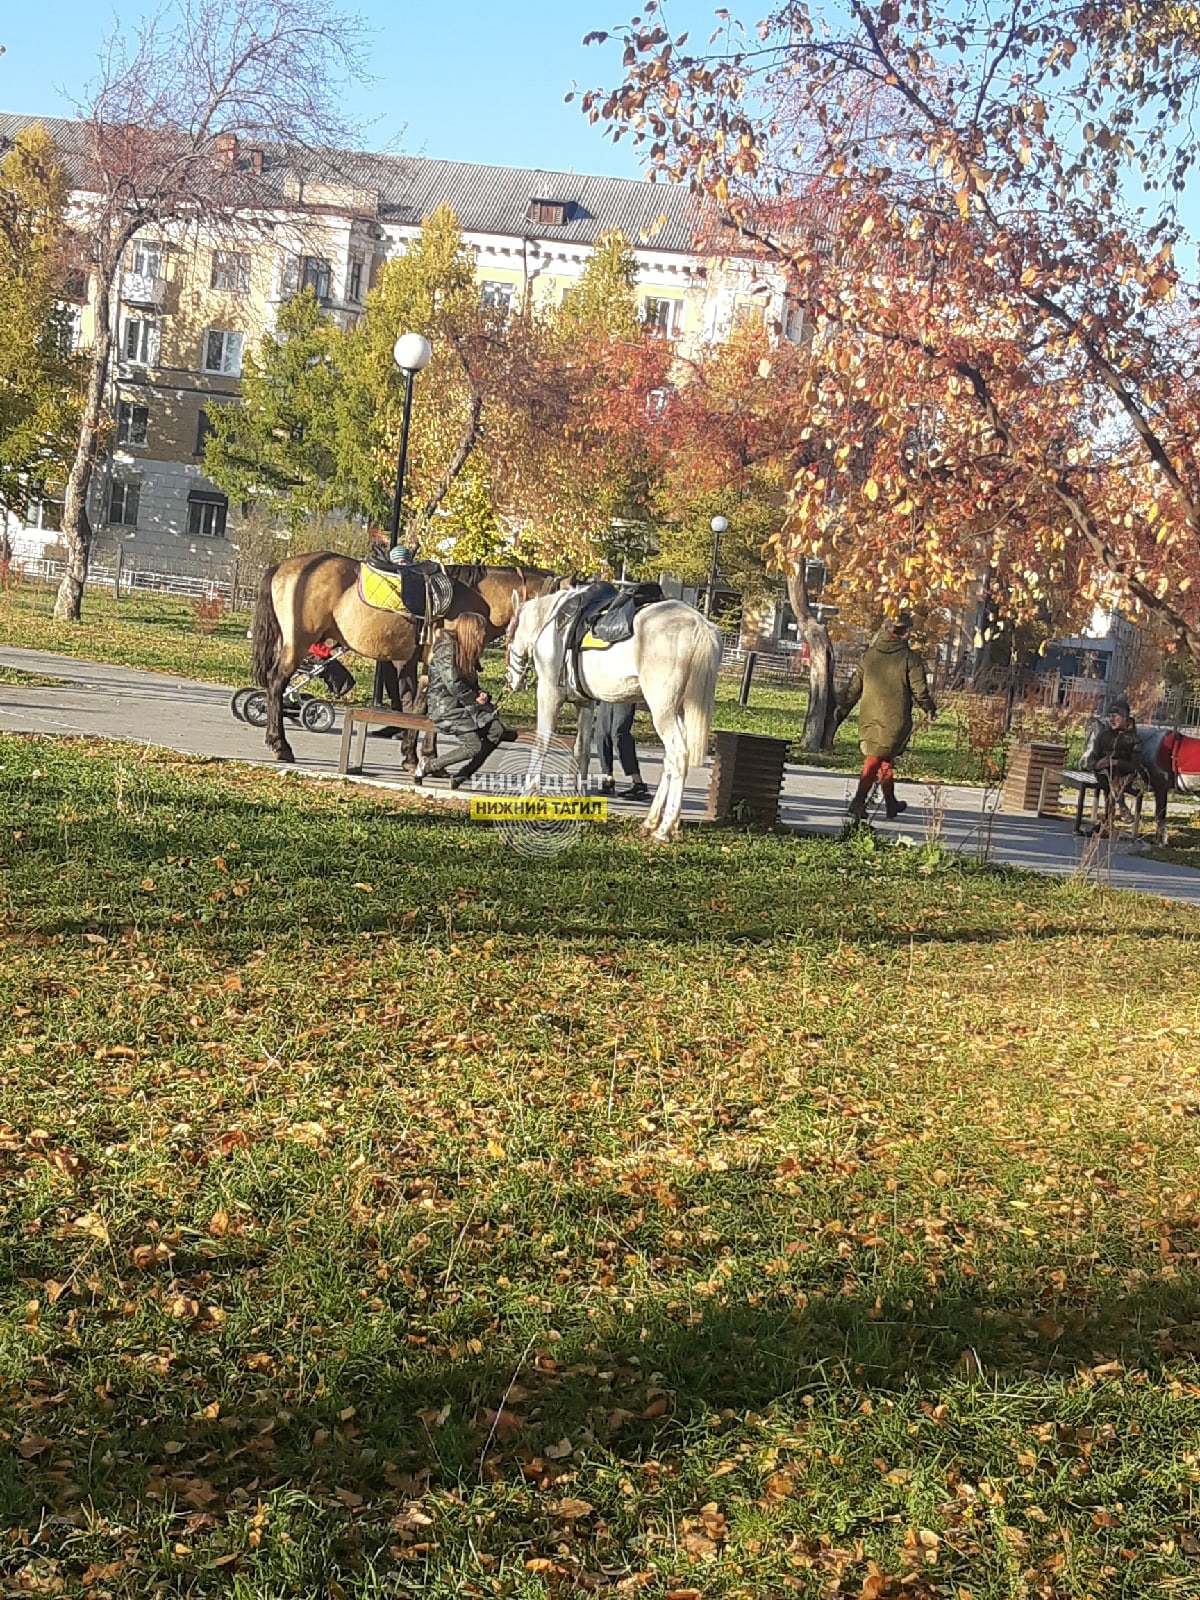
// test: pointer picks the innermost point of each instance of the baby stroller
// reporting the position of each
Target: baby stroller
(321, 665)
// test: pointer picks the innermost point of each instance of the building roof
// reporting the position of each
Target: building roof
(484, 199)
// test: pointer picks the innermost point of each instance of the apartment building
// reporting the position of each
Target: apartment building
(191, 302)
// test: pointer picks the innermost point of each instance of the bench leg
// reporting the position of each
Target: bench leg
(347, 738)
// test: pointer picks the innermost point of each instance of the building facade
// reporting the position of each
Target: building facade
(190, 303)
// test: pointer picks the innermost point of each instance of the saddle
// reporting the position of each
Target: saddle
(1179, 754)
(595, 618)
(420, 590)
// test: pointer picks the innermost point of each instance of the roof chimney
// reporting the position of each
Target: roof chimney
(226, 146)
(256, 160)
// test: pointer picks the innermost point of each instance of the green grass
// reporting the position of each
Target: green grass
(151, 631)
(18, 679)
(387, 1215)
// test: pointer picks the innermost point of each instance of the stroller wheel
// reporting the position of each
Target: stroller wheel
(318, 716)
(238, 703)
(254, 709)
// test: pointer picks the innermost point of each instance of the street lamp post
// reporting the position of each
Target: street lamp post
(719, 525)
(411, 353)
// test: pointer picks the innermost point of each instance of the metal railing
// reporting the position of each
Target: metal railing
(123, 577)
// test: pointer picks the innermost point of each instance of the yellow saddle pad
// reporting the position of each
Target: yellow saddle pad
(383, 590)
(590, 642)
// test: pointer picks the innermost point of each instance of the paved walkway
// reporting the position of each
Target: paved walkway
(180, 714)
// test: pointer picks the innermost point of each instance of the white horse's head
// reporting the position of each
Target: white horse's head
(530, 617)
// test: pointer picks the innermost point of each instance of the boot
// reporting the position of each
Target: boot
(894, 807)
(857, 808)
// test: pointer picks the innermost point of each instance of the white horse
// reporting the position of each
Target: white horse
(672, 660)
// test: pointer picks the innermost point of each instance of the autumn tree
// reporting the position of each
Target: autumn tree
(39, 376)
(278, 448)
(161, 133)
(945, 193)
(526, 431)
(738, 426)
(428, 288)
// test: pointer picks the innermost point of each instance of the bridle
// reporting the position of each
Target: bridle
(516, 663)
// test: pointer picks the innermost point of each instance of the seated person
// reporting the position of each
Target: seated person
(1118, 758)
(458, 707)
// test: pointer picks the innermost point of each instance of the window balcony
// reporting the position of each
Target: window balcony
(144, 289)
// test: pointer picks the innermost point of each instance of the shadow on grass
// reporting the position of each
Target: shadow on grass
(628, 1387)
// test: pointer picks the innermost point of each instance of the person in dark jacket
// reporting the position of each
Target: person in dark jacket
(1118, 751)
(891, 679)
(613, 727)
(458, 707)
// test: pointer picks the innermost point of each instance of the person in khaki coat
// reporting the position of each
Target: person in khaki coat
(891, 678)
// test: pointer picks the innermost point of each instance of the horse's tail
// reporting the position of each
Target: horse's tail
(268, 635)
(700, 690)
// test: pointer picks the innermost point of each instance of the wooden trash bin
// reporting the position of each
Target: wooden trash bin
(1034, 778)
(747, 776)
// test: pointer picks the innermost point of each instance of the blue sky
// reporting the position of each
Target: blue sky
(469, 80)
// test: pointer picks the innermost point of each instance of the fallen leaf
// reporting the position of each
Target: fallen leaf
(571, 1510)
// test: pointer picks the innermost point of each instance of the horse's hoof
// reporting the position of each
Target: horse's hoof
(285, 753)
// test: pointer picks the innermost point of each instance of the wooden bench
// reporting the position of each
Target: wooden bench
(1087, 783)
(359, 718)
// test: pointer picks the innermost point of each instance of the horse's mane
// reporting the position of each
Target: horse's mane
(472, 573)
(468, 573)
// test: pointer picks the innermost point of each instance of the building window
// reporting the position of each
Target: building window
(148, 260)
(307, 272)
(223, 352)
(550, 213)
(748, 314)
(143, 341)
(131, 423)
(206, 515)
(76, 286)
(46, 515)
(796, 325)
(656, 403)
(123, 500)
(66, 329)
(356, 279)
(204, 432)
(662, 316)
(499, 296)
(231, 272)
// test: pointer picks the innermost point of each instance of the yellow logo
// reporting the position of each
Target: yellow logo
(539, 808)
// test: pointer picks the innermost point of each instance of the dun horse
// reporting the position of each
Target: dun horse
(311, 597)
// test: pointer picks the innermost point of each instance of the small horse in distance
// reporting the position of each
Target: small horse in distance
(310, 597)
(1168, 759)
(672, 661)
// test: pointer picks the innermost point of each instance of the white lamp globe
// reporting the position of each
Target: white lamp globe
(719, 524)
(412, 352)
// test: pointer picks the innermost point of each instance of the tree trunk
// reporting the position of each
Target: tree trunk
(819, 719)
(77, 527)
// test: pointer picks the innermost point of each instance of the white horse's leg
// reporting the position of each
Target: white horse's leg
(675, 761)
(549, 701)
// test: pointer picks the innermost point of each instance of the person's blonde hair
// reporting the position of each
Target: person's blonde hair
(470, 636)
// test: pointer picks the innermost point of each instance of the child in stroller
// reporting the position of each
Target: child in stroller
(321, 665)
